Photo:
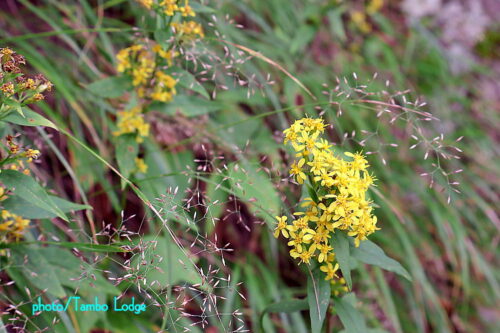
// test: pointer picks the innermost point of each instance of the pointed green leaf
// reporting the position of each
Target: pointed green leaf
(318, 296)
(254, 186)
(37, 269)
(340, 244)
(73, 245)
(77, 274)
(371, 254)
(190, 106)
(349, 315)
(27, 188)
(188, 81)
(28, 118)
(126, 152)
(110, 87)
(26, 209)
(166, 263)
(285, 306)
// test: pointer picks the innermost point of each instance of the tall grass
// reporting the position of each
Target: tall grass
(299, 56)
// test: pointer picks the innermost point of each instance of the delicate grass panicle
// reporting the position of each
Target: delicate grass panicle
(416, 130)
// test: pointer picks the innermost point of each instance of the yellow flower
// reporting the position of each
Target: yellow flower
(5, 226)
(12, 227)
(186, 10)
(3, 196)
(324, 250)
(146, 3)
(141, 165)
(296, 170)
(330, 270)
(6, 51)
(164, 88)
(338, 286)
(359, 19)
(167, 55)
(189, 28)
(31, 154)
(126, 56)
(143, 70)
(374, 6)
(7, 88)
(132, 121)
(169, 7)
(29, 84)
(359, 163)
(306, 256)
(310, 215)
(281, 227)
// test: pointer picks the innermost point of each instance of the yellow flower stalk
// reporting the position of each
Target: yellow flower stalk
(338, 203)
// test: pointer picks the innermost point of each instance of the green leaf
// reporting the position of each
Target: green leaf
(35, 267)
(89, 247)
(162, 36)
(340, 244)
(27, 188)
(288, 306)
(190, 106)
(371, 254)
(285, 306)
(166, 263)
(318, 296)
(255, 187)
(126, 151)
(303, 36)
(28, 118)
(351, 318)
(188, 81)
(110, 87)
(26, 209)
(77, 274)
(199, 8)
(165, 172)
(73, 245)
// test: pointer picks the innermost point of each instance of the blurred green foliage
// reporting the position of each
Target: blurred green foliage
(449, 249)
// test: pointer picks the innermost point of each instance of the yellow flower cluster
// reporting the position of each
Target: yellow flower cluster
(140, 165)
(132, 121)
(147, 62)
(337, 203)
(360, 19)
(17, 156)
(12, 226)
(142, 64)
(169, 7)
(190, 29)
(146, 3)
(164, 88)
(15, 87)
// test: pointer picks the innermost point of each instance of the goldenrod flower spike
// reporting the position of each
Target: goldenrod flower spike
(338, 202)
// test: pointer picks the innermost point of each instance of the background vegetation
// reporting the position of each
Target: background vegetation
(217, 169)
